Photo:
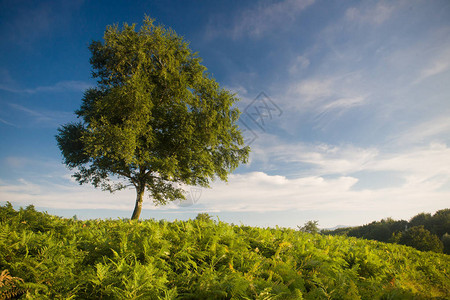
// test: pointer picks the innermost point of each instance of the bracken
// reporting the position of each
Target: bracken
(8, 286)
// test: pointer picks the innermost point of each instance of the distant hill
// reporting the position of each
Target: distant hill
(47, 257)
(335, 227)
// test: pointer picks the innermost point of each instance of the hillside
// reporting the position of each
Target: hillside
(48, 257)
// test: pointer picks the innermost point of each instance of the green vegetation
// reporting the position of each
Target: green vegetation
(310, 227)
(424, 231)
(156, 120)
(48, 257)
(419, 238)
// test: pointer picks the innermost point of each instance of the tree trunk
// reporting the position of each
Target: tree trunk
(140, 189)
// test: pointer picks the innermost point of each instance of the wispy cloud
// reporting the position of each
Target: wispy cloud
(42, 117)
(438, 63)
(22, 186)
(69, 85)
(313, 89)
(7, 123)
(344, 103)
(425, 165)
(320, 159)
(415, 60)
(30, 21)
(260, 19)
(326, 94)
(376, 15)
(300, 63)
(420, 165)
(374, 63)
(39, 116)
(437, 129)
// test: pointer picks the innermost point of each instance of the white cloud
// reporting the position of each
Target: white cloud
(40, 117)
(43, 117)
(7, 123)
(24, 193)
(69, 85)
(323, 159)
(438, 63)
(300, 63)
(313, 89)
(15, 162)
(414, 60)
(344, 103)
(369, 14)
(265, 17)
(328, 185)
(438, 128)
(21, 187)
(424, 169)
(425, 165)
(326, 94)
(421, 166)
(436, 68)
(259, 192)
(251, 192)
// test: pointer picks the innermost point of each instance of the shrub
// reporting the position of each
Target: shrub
(421, 239)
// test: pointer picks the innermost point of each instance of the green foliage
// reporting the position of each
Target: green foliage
(310, 227)
(389, 230)
(155, 118)
(420, 219)
(446, 242)
(204, 259)
(438, 224)
(205, 217)
(380, 231)
(421, 239)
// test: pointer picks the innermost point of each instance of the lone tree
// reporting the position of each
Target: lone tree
(156, 119)
(310, 227)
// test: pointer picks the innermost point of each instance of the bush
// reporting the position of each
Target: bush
(421, 239)
(446, 243)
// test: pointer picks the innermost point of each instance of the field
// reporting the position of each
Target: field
(47, 257)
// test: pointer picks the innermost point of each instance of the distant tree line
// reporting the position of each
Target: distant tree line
(424, 231)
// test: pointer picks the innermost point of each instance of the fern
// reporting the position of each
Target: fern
(10, 286)
(55, 258)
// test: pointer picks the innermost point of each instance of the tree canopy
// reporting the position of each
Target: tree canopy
(155, 119)
(424, 231)
(310, 227)
(421, 239)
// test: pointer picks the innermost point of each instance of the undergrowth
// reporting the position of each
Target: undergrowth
(47, 257)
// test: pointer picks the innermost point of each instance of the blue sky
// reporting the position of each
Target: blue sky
(353, 100)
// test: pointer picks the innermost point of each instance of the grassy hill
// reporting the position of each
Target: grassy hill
(47, 257)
